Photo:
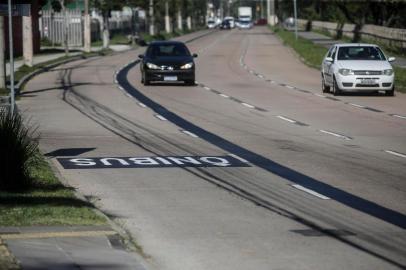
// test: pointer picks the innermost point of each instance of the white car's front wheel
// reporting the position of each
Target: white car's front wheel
(324, 87)
(391, 92)
(336, 89)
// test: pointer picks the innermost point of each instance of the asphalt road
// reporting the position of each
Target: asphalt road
(323, 185)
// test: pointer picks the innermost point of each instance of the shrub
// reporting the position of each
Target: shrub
(19, 151)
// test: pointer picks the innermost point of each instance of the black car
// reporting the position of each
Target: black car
(167, 61)
(225, 24)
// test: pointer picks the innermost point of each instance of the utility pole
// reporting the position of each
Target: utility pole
(295, 12)
(152, 19)
(87, 28)
(2, 54)
(10, 38)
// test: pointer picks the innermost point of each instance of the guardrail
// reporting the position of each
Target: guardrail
(394, 37)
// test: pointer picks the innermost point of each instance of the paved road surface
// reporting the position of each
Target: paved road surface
(325, 187)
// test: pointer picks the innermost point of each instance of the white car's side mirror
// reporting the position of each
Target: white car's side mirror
(329, 59)
(391, 59)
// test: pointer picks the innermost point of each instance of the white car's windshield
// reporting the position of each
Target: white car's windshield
(360, 53)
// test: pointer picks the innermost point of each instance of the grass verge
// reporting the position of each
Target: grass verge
(312, 54)
(48, 202)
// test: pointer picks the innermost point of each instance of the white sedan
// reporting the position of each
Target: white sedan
(353, 67)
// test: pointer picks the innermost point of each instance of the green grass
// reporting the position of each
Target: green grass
(312, 54)
(47, 203)
(116, 39)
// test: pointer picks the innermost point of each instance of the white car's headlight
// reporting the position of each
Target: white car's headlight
(187, 66)
(388, 72)
(152, 66)
(345, 71)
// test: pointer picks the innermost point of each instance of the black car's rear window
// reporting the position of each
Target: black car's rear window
(159, 50)
(360, 53)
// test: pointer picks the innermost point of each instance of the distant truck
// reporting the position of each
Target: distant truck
(244, 17)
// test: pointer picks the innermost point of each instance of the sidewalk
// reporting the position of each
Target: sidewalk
(328, 41)
(41, 58)
(68, 248)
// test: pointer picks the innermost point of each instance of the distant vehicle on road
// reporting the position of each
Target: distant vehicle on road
(353, 67)
(211, 23)
(244, 18)
(231, 20)
(225, 25)
(167, 61)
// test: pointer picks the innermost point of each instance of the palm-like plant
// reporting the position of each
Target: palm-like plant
(18, 151)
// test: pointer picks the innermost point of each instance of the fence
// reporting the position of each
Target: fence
(52, 26)
(391, 36)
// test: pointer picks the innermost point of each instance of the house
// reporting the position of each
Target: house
(18, 28)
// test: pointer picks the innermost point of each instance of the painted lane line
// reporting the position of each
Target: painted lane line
(356, 105)
(160, 117)
(312, 192)
(239, 158)
(395, 153)
(189, 133)
(286, 119)
(261, 76)
(319, 95)
(335, 134)
(128, 95)
(224, 96)
(247, 105)
(373, 109)
(399, 116)
(290, 87)
(142, 104)
(207, 88)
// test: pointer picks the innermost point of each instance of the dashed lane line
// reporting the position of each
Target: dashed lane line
(160, 117)
(312, 192)
(286, 119)
(398, 116)
(248, 105)
(335, 134)
(142, 104)
(189, 133)
(395, 153)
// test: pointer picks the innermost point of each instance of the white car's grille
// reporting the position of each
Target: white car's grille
(367, 72)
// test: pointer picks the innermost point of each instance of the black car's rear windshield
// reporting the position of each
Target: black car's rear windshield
(162, 50)
(360, 53)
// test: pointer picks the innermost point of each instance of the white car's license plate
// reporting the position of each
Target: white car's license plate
(368, 81)
(170, 78)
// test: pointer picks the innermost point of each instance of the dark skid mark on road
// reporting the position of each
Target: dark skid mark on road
(348, 199)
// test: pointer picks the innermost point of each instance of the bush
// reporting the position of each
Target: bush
(19, 151)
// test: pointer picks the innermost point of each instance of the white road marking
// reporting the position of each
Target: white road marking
(290, 87)
(128, 95)
(160, 117)
(251, 71)
(312, 192)
(261, 76)
(207, 88)
(239, 158)
(189, 133)
(395, 153)
(115, 81)
(399, 116)
(319, 95)
(224, 96)
(120, 87)
(142, 104)
(356, 105)
(286, 119)
(335, 134)
(248, 105)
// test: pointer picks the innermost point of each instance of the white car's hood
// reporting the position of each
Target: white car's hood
(364, 64)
